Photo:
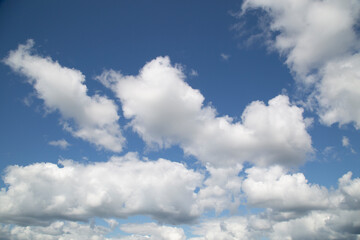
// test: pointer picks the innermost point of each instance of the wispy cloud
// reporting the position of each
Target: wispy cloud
(60, 143)
(224, 56)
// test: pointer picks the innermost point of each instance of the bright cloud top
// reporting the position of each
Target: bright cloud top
(124, 186)
(63, 89)
(164, 110)
(321, 47)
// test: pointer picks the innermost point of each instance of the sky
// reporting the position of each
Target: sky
(180, 120)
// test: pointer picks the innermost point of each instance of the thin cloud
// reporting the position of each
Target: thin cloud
(62, 143)
(225, 56)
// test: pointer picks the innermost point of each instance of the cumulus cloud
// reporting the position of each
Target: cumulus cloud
(310, 32)
(223, 229)
(321, 45)
(62, 143)
(221, 190)
(319, 225)
(94, 117)
(164, 110)
(152, 231)
(339, 91)
(64, 230)
(124, 186)
(337, 224)
(273, 188)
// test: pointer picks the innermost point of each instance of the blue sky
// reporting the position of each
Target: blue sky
(180, 120)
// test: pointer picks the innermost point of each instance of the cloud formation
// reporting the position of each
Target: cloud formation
(273, 188)
(95, 117)
(164, 110)
(124, 186)
(152, 231)
(62, 143)
(320, 42)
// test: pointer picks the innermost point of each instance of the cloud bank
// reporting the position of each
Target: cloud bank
(124, 186)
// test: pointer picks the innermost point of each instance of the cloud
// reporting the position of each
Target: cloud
(194, 73)
(339, 91)
(95, 118)
(319, 225)
(62, 143)
(273, 188)
(321, 45)
(164, 110)
(223, 229)
(152, 231)
(338, 224)
(64, 230)
(41, 193)
(345, 141)
(224, 56)
(221, 190)
(310, 32)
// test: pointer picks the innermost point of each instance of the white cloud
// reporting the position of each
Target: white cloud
(63, 89)
(319, 225)
(345, 141)
(350, 190)
(124, 186)
(221, 189)
(339, 91)
(273, 188)
(194, 73)
(225, 56)
(310, 32)
(164, 110)
(337, 224)
(62, 143)
(234, 228)
(152, 231)
(321, 47)
(64, 230)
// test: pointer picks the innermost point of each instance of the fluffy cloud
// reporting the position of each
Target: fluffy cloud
(63, 89)
(222, 189)
(321, 45)
(319, 225)
(339, 91)
(223, 229)
(350, 190)
(337, 224)
(164, 110)
(273, 188)
(124, 186)
(58, 230)
(152, 231)
(310, 32)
